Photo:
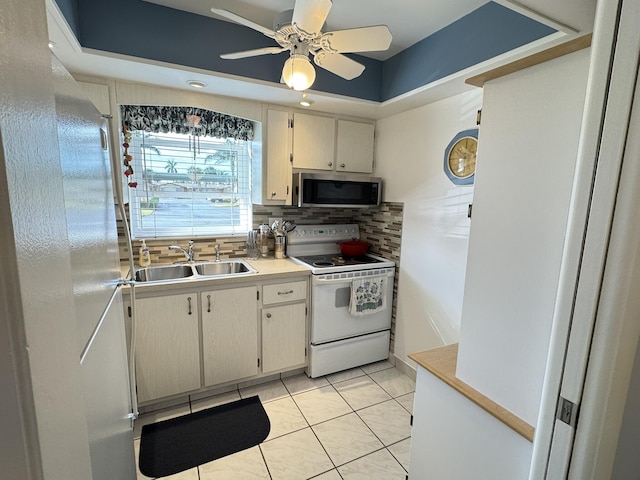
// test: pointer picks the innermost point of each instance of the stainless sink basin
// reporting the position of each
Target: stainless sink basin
(192, 271)
(228, 267)
(163, 272)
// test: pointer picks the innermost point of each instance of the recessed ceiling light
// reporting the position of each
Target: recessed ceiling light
(196, 84)
(305, 102)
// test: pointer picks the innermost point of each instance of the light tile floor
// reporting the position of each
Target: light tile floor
(349, 425)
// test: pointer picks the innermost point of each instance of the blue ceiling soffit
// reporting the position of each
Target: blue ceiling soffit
(487, 32)
(69, 9)
(146, 30)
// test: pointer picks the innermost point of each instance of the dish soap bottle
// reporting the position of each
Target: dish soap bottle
(144, 258)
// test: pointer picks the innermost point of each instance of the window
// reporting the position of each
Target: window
(189, 185)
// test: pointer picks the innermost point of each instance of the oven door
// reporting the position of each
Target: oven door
(331, 320)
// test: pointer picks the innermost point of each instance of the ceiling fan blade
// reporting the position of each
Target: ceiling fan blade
(243, 21)
(365, 39)
(309, 16)
(339, 64)
(253, 53)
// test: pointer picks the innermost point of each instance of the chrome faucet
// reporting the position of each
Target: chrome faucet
(217, 249)
(187, 253)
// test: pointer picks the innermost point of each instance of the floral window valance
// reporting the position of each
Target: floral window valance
(186, 120)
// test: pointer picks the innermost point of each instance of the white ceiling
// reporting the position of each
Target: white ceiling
(408, 20)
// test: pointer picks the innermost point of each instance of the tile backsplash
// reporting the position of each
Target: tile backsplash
(380, 226)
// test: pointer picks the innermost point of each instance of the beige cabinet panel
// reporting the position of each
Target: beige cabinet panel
(313, 142)
(283, 337)
(354, 147)
(229, 334)
(278, 184)
(167, 346)
(284, 292)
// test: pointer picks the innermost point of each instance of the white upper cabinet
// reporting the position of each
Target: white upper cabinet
(323, 143)
(278, 172)
(354, 147)
(307, 142)
(313, 142)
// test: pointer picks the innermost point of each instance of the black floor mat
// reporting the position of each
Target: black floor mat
(181, 443)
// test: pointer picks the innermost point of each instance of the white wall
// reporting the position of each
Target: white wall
(528, 147)
(410, 157)
(450, 438)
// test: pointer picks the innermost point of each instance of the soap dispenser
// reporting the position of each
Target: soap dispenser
(144, 258)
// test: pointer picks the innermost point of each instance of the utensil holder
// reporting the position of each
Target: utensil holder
(280, 243)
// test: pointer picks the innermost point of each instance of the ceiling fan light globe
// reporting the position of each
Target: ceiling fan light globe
(298, 73)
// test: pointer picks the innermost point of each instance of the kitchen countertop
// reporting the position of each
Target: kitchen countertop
(266, 269)
(442, 362)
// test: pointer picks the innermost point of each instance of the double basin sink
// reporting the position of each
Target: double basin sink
(189, 271)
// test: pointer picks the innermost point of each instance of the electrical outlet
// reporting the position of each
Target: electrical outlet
(272, 220)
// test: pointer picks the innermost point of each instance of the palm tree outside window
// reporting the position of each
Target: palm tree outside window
(192, 185)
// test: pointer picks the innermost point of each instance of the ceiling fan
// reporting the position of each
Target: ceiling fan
(299, 32)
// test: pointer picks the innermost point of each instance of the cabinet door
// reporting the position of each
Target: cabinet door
(354, 149)
(283, 337)
(229, 334)
(278, 185)
(313, 142)
(167, 346)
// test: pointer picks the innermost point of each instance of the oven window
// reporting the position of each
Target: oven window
(338, 192)
(343, 296)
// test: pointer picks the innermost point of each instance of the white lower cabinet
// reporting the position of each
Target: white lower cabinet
(283, 337)
(210, 337)
(229, 334)
(284, 326)
(167, 345)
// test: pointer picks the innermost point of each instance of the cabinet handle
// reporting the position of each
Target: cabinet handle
(273, 194)
(331, 164)
(189, 302)
(285, 293)
(208, 303)
(268, 315)
(342, 165)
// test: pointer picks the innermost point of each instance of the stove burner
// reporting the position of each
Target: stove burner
(323, 263)
(361, 259)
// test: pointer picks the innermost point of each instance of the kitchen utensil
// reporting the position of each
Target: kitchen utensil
(287, 226)
(353, 248)
(252, 245)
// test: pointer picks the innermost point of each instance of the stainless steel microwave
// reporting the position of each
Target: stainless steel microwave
(335, 190)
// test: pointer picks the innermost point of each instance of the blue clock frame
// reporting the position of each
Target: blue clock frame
(471, 133)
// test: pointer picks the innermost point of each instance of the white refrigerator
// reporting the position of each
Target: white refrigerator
(95, 270)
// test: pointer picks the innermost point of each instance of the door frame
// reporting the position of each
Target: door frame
(594, 338)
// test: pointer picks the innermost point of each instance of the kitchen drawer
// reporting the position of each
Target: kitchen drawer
(284, 292)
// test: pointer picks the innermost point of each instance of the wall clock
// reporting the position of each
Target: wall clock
(460, 157)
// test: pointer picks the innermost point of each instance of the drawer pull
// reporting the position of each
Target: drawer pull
(286, 293)
(208, 303)
(189, 301)
(268, 315)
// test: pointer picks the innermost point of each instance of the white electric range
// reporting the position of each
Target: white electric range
(340, 336)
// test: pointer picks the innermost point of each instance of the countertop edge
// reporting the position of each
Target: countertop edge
(442, 362)
(266, 269)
